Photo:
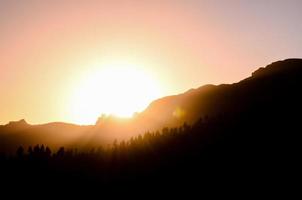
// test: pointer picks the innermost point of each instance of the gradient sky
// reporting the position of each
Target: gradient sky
(46, 46)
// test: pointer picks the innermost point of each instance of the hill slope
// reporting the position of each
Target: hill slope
(278, 86)
(273, 91)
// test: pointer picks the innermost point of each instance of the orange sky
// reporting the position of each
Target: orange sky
(47, 46)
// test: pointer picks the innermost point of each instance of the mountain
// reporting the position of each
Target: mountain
(270, 95)
(276, 86)
(16, 125)
(54, 134)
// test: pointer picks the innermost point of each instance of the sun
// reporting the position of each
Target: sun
(116, 88)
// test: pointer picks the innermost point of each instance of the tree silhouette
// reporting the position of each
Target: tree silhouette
(30, 151)
(61, 152)
(47, 152)
(20, 152)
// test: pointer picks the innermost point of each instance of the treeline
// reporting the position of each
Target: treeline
(166, 141)
(224, 147)
(152, 154)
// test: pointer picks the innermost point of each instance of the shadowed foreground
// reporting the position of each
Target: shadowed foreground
(212, 151)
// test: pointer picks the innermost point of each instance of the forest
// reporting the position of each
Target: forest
(253, 135)
(212, 149)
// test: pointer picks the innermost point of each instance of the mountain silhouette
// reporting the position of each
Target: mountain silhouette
(54, 134)
(273, 90)
(276, 85)
(21, 124)
(227, 136)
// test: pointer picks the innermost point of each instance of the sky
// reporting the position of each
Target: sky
(47, 48)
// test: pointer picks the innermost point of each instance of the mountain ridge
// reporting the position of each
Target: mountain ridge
(273, 68)
(274, 87)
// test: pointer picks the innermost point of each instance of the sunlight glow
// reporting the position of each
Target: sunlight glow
(116, 88)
